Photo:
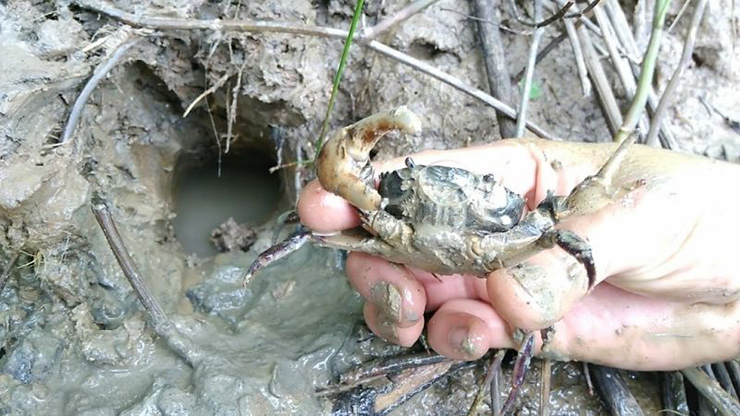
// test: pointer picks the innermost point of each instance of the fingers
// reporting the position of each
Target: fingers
(390, 288)
(465, 329)
(386, 328)
(610, 327)
(325, 212)
(624, 330)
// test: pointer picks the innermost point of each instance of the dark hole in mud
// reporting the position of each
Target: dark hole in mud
(424, 50)
(207, 197)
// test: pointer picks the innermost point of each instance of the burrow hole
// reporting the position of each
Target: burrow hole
(206, 196)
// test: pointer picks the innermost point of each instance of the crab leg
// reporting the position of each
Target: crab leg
(342, 241)
(595, 192)
(521, 366)
(277, 252)
(343, 165)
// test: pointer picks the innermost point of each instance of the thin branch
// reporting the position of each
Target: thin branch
(542, 54)
(100, 72)
(489, 22)
(545, 379)
(570, 28)
(688, 49)
(493, 369)
(598, 76)
(494, 59)
(559, 14)
(221, 81)
(396, 19)
(584, 11)
(619, 62)
(234, 103)
(161, 324)
(384, 366)
(711, 389)
(587, 376)
(5, 276)
(218, 25)
(455, 83)
(646, 75)
(679, 15)
(251, 26)
(529, 73)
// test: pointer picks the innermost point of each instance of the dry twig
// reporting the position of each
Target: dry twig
(493, 370)
(545, 380)
(600, 81)
(665, 99)
(100, 72)
(619, 62)
(232, 109)
(399, 17)
(163, 23)
(494, 60)
(160, 322)
(213, 88)
(529, 73)
(575, 43)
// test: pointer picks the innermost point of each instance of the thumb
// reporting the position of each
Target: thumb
(538, 292)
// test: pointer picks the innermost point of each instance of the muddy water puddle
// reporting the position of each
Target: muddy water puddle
(238, 186)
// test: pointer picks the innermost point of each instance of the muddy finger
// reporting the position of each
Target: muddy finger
(466, 329)
(386, 328)
(391, 288)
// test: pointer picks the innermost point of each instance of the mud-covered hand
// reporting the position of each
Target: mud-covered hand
(664, 249)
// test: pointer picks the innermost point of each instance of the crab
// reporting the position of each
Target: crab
(441, 219)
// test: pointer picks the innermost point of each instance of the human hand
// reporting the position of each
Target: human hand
(668, 291)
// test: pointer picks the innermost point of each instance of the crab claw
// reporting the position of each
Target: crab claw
(343, 166)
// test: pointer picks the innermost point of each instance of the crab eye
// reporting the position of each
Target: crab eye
(410, 163)
(489, 178)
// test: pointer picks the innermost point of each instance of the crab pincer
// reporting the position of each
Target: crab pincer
(343, 166)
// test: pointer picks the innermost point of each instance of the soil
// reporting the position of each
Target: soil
(74, 338)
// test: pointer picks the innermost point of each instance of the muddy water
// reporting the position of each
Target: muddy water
(207, 194)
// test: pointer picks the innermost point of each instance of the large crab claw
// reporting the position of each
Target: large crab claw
(343, 166)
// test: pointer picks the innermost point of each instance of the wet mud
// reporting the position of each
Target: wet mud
(74, 339)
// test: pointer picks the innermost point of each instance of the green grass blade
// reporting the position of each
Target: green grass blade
(338, 75)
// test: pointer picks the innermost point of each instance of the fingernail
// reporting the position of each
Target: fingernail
(387, 298)
(386, 328)
(461, 340)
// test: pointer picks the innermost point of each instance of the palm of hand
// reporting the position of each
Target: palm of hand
(669, 289)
